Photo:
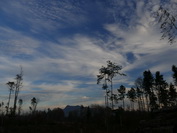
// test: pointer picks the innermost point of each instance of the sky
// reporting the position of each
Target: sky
(61, 44)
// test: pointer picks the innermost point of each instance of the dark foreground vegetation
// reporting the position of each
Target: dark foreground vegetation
(91, 120)
(85, 120)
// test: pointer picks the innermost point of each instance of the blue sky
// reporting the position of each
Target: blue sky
(61, 44)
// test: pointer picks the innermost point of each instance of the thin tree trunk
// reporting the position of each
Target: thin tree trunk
(143, 103)
(106, 97)
(139, 103)
(8, 101)
(15, 101)
(123, 104)
(147, 103)
(112, 95)
(16, 96)
(105, 101)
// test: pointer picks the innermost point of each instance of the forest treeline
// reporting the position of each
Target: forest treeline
(150, 92)
(91, 119)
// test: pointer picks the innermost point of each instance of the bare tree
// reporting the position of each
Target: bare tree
(113, 70)
(167, 24)
(110, 71)
(103, 74)
(11, 86)
(18, 86)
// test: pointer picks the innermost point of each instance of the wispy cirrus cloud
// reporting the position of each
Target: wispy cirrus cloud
(62, 44)
(142, 39)
(15, 43)
(44, 16)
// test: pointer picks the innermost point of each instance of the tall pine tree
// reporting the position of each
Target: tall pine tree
(148, 82)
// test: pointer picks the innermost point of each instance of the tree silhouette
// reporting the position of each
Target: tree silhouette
(139, 99)
(172, 95)
(121, 94)
(20, 102)
(11, 86)
(131, 94)
(153, 101)
(160, 86)
(164, 97)
(56, 114)
(167, 24)
(103, 74)
(2, 108)
(174, 69)
(148, 81)
(113, 70)
(109, 73)
(140, 92)
(18, 86)
(33, 106)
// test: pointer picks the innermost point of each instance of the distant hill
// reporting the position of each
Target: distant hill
(69, 108)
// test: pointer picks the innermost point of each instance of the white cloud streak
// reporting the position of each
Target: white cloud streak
(52, 64)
